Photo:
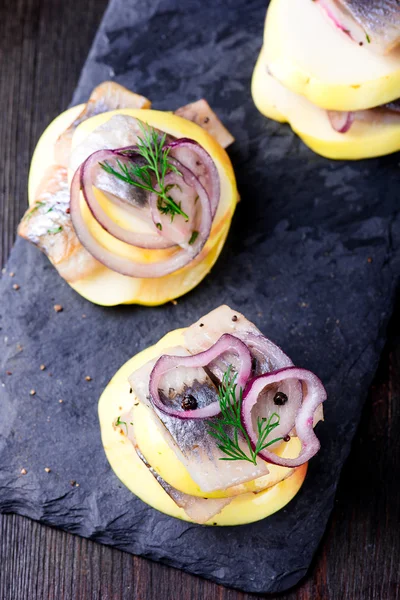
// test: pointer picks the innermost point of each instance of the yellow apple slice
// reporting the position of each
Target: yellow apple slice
(312, 57)
(116, 399)
(163, 459)
(364, 139)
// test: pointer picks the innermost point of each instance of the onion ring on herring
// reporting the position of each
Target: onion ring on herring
(302, 418)
(88, 174)
(226, 343)
(176, 229)
(120, 264)
(194, 157)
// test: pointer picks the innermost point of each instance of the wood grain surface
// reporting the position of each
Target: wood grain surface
(43, 45)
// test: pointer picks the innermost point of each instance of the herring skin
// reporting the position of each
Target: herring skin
(379, 18)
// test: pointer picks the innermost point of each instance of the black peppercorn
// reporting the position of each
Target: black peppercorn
(189, 403)
(234, 318)
(286, 438)
(280, 399)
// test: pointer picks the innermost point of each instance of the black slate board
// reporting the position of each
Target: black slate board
(313, 258)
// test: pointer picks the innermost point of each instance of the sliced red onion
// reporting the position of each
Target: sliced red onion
(301, 418)
(341, 121)
(329, 12)
(178, 229)
(226, 343)
(89, 169)
(126, 266)
(271, 357)
(344, 21)
(194, 157)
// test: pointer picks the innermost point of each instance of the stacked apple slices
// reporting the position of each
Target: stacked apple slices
(115, 232)
(213, 424)
(332, 71)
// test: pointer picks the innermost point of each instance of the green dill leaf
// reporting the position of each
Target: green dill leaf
(193, 237)
(150, 147)
(36, 207)
(55, 230)
(368, 38)
(118, 422)
(170, 186)
(173, 169)
(230, 403)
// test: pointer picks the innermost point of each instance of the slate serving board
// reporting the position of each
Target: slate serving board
(313, 258)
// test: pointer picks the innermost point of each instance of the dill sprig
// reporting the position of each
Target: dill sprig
(151, 148)
(230, 417)
(33, 210)
(118, 423)
(55, 230)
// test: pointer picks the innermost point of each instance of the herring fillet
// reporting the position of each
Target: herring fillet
(208, 329)
(201, 113)
(379, 18)
(199, 510)
(105, 97)
(189, 439)
(47, 224)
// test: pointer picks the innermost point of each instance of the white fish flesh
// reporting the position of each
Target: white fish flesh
(189, 438)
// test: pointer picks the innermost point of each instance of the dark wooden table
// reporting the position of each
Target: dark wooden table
(43, 44)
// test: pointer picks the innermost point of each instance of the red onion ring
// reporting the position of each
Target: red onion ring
(341, 121)
(334, 19)
(123, 265)
(194, 157)
(335, 12)
(275, 359)
(275, 356)
(141, 240)
(226, 343)
(302, 420)
(271, 358)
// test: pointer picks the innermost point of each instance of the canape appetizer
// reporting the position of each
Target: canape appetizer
(131, 205)
(331, 69)
(213, 424)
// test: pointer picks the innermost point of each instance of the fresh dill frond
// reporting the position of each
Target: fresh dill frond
(151, 147)
(35, 208)
(230, 418)
(55, 230)
(193, 237)
(118, 423)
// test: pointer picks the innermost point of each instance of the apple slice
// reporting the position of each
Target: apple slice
(366, 138)
(313, 57)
